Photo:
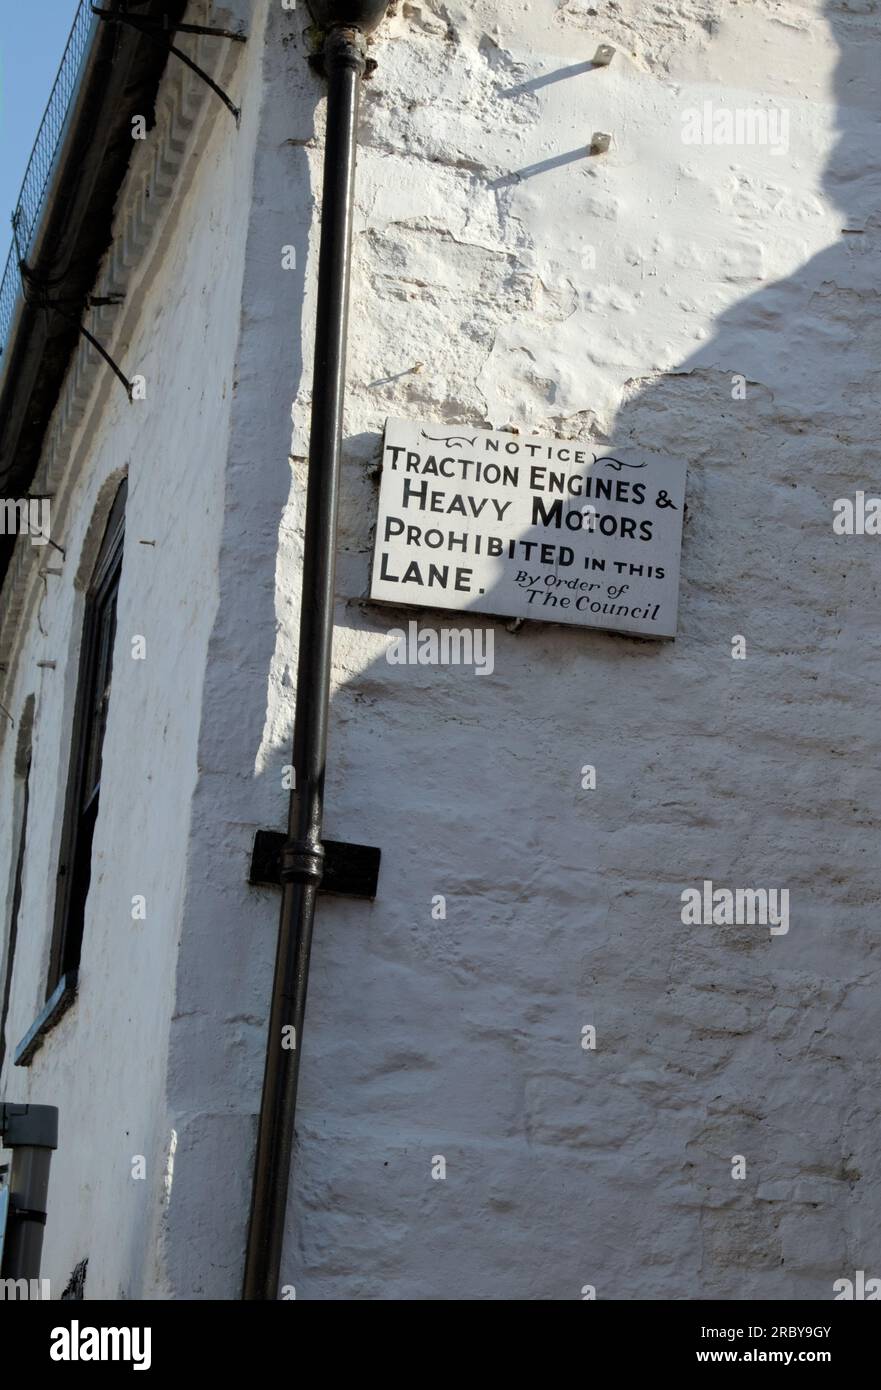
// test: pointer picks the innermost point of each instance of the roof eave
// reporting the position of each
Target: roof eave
(118, 79)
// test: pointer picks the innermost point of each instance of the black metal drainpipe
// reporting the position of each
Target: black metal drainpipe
(345, 27)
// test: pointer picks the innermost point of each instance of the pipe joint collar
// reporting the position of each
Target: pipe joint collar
(302, 861)
(344, 47)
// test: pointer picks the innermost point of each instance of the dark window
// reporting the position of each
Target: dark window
(20, 824)
(90, 720)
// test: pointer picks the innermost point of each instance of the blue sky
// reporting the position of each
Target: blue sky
(33, 35)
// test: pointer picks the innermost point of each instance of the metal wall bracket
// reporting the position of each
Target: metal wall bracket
(349, 870)
(36, 295)
(160, 33)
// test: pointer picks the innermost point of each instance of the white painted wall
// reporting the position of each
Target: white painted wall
(104, 1063)
(612, 297)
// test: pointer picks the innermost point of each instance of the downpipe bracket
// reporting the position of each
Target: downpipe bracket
(347, 870)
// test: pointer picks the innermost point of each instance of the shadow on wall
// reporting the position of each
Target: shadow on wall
(708, 768)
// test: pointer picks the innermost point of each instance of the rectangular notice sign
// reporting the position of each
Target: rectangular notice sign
(550, 529)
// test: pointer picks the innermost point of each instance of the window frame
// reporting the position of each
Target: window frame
(76, 850)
